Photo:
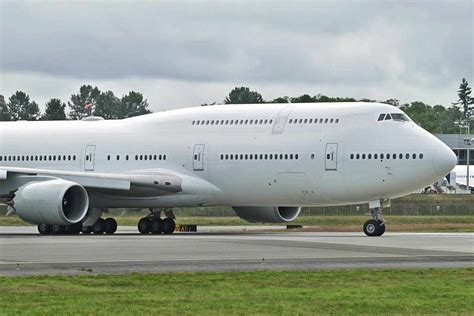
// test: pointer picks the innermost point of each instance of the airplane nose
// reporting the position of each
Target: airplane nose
(444, 160)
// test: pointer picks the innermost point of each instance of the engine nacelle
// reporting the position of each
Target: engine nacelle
(51, 202)
(267, 214)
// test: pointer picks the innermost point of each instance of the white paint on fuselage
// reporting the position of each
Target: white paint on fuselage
(302, 181)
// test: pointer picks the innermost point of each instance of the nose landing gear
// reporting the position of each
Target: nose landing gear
(376, 225)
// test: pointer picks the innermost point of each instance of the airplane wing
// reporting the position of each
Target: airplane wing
(158, 181)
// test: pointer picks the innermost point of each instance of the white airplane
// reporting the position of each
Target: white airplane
(266, 161)
(459, 173)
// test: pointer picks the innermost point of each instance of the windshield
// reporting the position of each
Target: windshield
(393, 116)
(399, 117)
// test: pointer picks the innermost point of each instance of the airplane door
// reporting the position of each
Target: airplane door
(331, 156)
(280, 121)
(198, 157)
(89, 159)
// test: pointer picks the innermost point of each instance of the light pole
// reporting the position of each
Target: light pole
(468, 142)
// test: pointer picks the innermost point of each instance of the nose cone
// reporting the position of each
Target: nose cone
(444, 160)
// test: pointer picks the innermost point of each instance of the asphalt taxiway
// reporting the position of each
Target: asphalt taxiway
(23, 252)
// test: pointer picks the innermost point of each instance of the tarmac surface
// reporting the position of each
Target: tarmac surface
(24, 252)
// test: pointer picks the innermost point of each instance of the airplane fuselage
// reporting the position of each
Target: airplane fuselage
(270, 154)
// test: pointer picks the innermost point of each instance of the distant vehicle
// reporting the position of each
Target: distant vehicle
(460, 175)
(266, 161)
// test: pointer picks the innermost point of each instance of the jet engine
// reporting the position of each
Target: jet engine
(267, 214)
(54, 201)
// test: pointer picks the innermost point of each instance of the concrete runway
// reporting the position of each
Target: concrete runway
(23, 252)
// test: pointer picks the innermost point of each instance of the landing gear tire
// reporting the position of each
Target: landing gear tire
(99, 227)
(144, 225)
(57, 229)
(374, 227)
(44, 229)
(157, 225)
(168, 226)
(110, 226)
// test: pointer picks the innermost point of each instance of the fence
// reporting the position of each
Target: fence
(408, 209)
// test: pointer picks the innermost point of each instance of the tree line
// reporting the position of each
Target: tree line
(91, 101)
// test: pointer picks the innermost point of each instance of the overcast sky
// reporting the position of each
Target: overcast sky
(181, 54)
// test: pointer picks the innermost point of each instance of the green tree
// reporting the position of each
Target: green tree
(4, 114)
(284, 99)
(243, 95)
(305, 98)
(87, 95)
(133, 104)
(21, 108)
(108, 106)
(55, 110)
(394, 102)
(465, 100)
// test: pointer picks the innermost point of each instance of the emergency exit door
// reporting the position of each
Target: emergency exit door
(198, 157)
(89, 158)
(331, 156)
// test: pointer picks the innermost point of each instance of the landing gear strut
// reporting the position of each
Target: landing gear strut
(376, 225)
(154, 224)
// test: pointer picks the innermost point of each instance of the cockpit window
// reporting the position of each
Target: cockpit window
(399, 117)
(393, 116)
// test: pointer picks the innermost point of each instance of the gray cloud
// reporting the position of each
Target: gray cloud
(347, 44)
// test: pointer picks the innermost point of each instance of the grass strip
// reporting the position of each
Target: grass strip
(337, 292)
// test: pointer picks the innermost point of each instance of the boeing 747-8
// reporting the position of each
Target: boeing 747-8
(266, 161)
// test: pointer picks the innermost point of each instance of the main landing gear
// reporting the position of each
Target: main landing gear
(108, 226)
(154, 224)
(376, 225)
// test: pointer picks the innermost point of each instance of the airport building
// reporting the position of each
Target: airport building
(456, 143)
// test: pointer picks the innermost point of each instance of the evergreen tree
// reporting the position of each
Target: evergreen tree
(108, 106)
(133, 104)
(55, 110)
(243, 95)
(465, 100)
(21, 108)
(87, 95)
(4, 114)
